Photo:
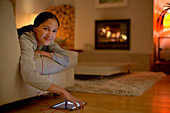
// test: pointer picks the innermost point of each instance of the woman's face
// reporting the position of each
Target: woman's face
(46, 32)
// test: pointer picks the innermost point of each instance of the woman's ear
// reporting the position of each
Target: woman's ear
(34, 29)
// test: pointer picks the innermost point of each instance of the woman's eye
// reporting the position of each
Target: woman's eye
(45, 28)
(55, 31)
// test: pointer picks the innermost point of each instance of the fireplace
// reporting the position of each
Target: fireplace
(112, 34)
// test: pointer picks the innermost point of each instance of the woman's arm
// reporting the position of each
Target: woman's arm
(59, 55)
(43, 53)
(58, 90)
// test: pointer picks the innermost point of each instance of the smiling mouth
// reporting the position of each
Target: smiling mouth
(48, 39)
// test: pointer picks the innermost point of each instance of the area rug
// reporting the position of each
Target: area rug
(133, 84)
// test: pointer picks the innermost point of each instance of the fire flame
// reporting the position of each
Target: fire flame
(113, 36)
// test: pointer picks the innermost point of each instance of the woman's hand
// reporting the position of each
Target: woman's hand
(66, 95)
(43, 53)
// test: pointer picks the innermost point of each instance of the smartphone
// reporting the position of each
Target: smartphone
(70, 106)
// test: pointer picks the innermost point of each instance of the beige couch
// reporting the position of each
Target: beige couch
(12, 87)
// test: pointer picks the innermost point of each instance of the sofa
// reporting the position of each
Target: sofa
(12, 87)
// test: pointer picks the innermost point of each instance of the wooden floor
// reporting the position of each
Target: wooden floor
(154, 100)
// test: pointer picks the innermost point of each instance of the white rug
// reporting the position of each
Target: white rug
(133, 84)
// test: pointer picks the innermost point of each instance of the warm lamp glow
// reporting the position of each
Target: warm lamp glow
(166, 22)
(31, 18)
(166, 25)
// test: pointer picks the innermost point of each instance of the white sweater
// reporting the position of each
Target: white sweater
(29, 73)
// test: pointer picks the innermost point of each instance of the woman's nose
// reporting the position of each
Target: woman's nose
(49, 34)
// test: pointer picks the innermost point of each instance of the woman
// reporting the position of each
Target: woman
(39, 39)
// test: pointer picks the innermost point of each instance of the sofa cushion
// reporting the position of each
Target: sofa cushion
(50, 66)
(73, 58)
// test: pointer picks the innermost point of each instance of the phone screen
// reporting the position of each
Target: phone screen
(70, 106)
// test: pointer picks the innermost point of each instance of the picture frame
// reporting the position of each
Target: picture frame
(110, 3)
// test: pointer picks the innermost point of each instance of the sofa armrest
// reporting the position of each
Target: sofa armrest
(73, 57)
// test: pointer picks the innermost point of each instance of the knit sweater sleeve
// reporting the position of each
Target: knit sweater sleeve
(28, 67)
(60, 56)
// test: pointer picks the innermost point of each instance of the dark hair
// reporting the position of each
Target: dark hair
(41, 18)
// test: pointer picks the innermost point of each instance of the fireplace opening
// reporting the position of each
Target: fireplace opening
(112, 34)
